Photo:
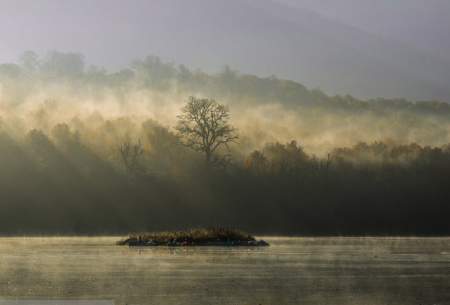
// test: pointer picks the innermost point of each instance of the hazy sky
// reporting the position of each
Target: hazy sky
(208, 34)
(424, 24)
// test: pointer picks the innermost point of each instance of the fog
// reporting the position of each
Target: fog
(320, 127)
(56, 87)
(304, 161)
(390, 49)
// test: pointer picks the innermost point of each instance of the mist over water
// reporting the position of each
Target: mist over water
(371, 271)
(321, 126)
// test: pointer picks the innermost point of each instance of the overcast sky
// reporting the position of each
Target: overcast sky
(111, 33)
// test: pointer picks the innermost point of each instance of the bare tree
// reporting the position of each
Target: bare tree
(130, 154)
(203, 126)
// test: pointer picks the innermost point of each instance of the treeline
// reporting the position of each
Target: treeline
(84, 150)
(60, 182)
(42, 91)
(153, 73)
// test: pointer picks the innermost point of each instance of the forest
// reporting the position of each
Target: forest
(87, 151)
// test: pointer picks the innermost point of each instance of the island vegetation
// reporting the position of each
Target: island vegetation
(194, 237)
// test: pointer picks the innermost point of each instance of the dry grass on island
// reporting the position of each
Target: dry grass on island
(194, 237)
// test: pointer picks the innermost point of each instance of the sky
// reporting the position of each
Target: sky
(423, 24)
(340, 46)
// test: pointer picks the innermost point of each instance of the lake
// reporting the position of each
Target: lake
(291, 271)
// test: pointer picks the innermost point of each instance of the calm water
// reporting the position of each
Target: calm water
(291, 271)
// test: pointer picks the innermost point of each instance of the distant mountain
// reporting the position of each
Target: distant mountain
(262, 37)
(422, 24)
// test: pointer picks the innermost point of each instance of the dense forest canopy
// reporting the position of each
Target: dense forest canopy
(84, 150)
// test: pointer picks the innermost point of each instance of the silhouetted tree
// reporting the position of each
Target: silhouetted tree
(257, 162)
(130, 154)
(286, 158)
(203, 126)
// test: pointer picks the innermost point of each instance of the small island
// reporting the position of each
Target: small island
(194, 237)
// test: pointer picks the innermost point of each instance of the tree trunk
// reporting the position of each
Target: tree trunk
(208, 156)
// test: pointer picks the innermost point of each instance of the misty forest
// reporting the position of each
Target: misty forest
(159, 145)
